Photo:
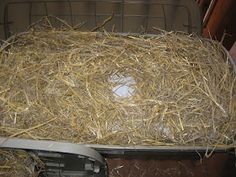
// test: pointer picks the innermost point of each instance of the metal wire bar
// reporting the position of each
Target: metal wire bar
(71, 13)
(164, 14)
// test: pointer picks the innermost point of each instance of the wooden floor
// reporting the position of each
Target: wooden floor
(218, 165)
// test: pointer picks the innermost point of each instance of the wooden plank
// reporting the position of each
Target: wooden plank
(216, 18)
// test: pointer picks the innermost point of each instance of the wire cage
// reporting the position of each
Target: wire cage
(126, 16)
(136, 16)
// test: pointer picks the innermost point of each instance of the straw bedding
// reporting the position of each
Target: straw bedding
(18, 163)
(100, 88)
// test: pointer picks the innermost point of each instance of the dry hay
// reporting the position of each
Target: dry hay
(17, 163)
(63, 85)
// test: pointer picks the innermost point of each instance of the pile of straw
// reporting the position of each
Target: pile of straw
(17, 163)
(100, 88)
